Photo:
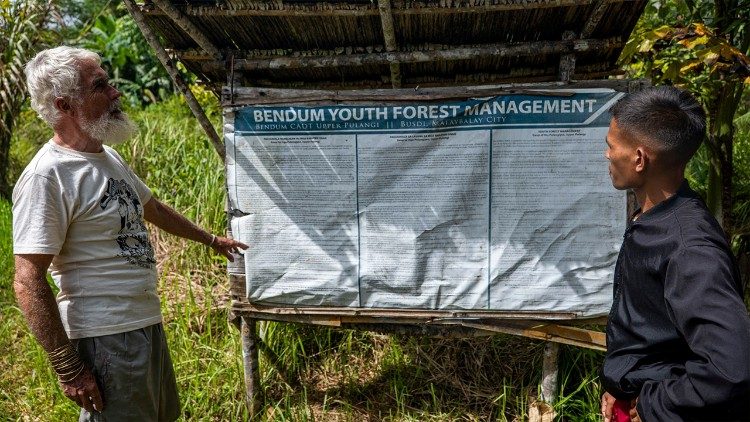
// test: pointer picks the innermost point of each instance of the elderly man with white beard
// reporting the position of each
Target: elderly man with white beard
(78, 211)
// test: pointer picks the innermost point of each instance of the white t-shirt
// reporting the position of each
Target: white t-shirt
(86, 209)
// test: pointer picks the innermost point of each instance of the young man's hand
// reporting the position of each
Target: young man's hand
(608, 401)
(634, 417)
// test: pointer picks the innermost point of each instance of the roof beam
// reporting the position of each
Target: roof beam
(189, 27)
(326, 94)
(389, 36)
(593, 21)
(583, 74)
(399, 7)
(500, 50)
(198, 55)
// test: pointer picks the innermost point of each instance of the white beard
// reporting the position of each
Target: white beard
(110, 130)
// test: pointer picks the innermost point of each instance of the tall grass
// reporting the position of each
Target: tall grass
(323, 374)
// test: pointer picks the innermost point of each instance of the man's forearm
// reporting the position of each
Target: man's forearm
(172, 222)
(37, 302)
(169, 220)
(38, 305)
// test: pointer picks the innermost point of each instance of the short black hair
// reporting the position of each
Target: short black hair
(666, 118)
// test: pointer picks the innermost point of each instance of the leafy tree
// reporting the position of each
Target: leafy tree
(701, 45)
(103, 26)
(742, 194)
(20, 28)
(133, 68)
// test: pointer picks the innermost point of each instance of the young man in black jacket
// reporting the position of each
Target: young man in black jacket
(678, 337)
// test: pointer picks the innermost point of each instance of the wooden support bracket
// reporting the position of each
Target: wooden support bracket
(550, 332)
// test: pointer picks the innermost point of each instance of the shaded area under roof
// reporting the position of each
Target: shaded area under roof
(383, 44)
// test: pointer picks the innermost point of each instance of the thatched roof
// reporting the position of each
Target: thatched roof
(385, 43)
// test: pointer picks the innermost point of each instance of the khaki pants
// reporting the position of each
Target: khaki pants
(135, 376)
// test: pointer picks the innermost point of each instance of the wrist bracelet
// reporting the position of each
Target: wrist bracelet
(66, 362)
(213, 239)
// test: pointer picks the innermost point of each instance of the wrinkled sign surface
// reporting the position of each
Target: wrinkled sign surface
(499, 203)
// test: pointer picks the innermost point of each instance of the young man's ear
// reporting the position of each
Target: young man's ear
(641, 159)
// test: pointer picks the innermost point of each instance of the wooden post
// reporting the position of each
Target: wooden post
(549, 372)
(542, 410)
(251, 366)
(195, 107)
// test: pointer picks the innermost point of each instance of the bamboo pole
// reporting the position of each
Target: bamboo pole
(195, 107)
(189, 27)
(389, 36)
(460, 53)
(402, 7)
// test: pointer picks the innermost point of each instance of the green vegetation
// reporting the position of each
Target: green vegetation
(19, 29)
(103, 26)
(328, 374)
(703, 46)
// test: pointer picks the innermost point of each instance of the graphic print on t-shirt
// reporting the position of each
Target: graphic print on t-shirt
(132, 237)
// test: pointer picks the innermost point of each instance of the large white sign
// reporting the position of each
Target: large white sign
(501, 203)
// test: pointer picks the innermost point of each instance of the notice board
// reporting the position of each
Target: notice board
(499, 203)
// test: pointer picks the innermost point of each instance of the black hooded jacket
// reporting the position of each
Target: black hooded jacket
(678, 336)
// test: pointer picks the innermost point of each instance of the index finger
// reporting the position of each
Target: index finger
(96, 399)
(83, 396)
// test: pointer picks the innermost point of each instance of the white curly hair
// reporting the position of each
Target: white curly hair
(53, 73)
